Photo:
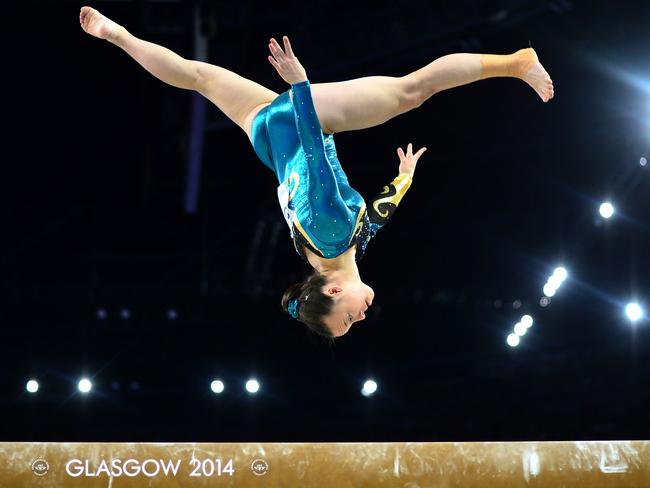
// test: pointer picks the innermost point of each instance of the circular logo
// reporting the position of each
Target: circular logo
(40, 467)
(259, 467)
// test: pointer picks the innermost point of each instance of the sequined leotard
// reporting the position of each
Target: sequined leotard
(323, 212)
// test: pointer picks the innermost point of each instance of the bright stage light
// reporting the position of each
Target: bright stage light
(554, 281)
(32, 386)
(633, 311)
(549, 290)
(252, 386)
(606, 210)
(513, 340)
(643, 161)
(85, 385)
(527, 320)
(217, 386)
(520, 329)
(369, 387)
(561, 273)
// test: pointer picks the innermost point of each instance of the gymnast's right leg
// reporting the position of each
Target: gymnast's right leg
(233, 94)
(373, 100)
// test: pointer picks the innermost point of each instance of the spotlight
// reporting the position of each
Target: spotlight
(32, 386)
(217, 386)
(634, 311)
(101, 313)
(369, 387)
(544, 302)
(527, 320)
(549, 289)
(554, 281)
(560, 273)
(520, 329)
(252, 386)
(606, 210)
(643, 161)
(125, 313)
(85, 385)
(513, 340)
(172, 314)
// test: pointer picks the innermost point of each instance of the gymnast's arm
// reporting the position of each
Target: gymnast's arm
(383, 205)
(323, 185)
(322, 181)
(307, 123)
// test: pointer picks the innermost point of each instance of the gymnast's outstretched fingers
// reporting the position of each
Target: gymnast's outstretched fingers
(286, 64)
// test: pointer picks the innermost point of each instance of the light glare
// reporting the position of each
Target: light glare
(369, 387)
(513, 340)
(554, 281)
(520, 329)
(32, 386)
(606, 210)
(561, 273)
(527, 320)
(85, 385)
(549, 290)
(633, 311)
(252, 386)
(217, 386)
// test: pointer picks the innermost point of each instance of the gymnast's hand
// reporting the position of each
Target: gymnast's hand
(409, 160)
(286, 64)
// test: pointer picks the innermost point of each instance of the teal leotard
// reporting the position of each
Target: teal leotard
(323, 212)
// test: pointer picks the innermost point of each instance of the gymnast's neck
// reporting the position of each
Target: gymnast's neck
(343, 267)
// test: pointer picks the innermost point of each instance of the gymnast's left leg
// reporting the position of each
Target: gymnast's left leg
(370, 101)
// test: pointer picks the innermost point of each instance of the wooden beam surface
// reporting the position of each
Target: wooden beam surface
(342, 465)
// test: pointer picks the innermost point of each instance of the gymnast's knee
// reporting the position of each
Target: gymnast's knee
(412, 94)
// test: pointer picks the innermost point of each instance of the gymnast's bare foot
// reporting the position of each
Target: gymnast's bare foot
(533, 73)
(96, 24)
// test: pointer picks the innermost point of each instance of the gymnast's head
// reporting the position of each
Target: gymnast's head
(328, 305)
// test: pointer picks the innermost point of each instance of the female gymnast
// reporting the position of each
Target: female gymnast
(292, 134)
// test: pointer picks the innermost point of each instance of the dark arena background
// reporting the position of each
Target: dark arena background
(143, 248)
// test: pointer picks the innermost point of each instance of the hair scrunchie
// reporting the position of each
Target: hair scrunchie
(293, 306)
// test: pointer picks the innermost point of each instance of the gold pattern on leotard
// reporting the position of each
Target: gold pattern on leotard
(394, 192)
(293, 177)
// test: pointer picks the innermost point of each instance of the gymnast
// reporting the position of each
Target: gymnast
(293, 135)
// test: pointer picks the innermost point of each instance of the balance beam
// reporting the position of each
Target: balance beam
(341, 465)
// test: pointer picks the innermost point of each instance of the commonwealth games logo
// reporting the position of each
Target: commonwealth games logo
(40, 467)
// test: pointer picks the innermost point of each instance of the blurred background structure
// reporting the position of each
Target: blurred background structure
(128, 257)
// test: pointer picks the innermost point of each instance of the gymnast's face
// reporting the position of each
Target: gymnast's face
(351, 300)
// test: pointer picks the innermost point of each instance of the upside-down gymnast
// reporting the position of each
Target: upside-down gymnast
(293, 135)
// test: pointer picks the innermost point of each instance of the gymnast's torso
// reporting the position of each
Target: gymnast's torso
(325, 215)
